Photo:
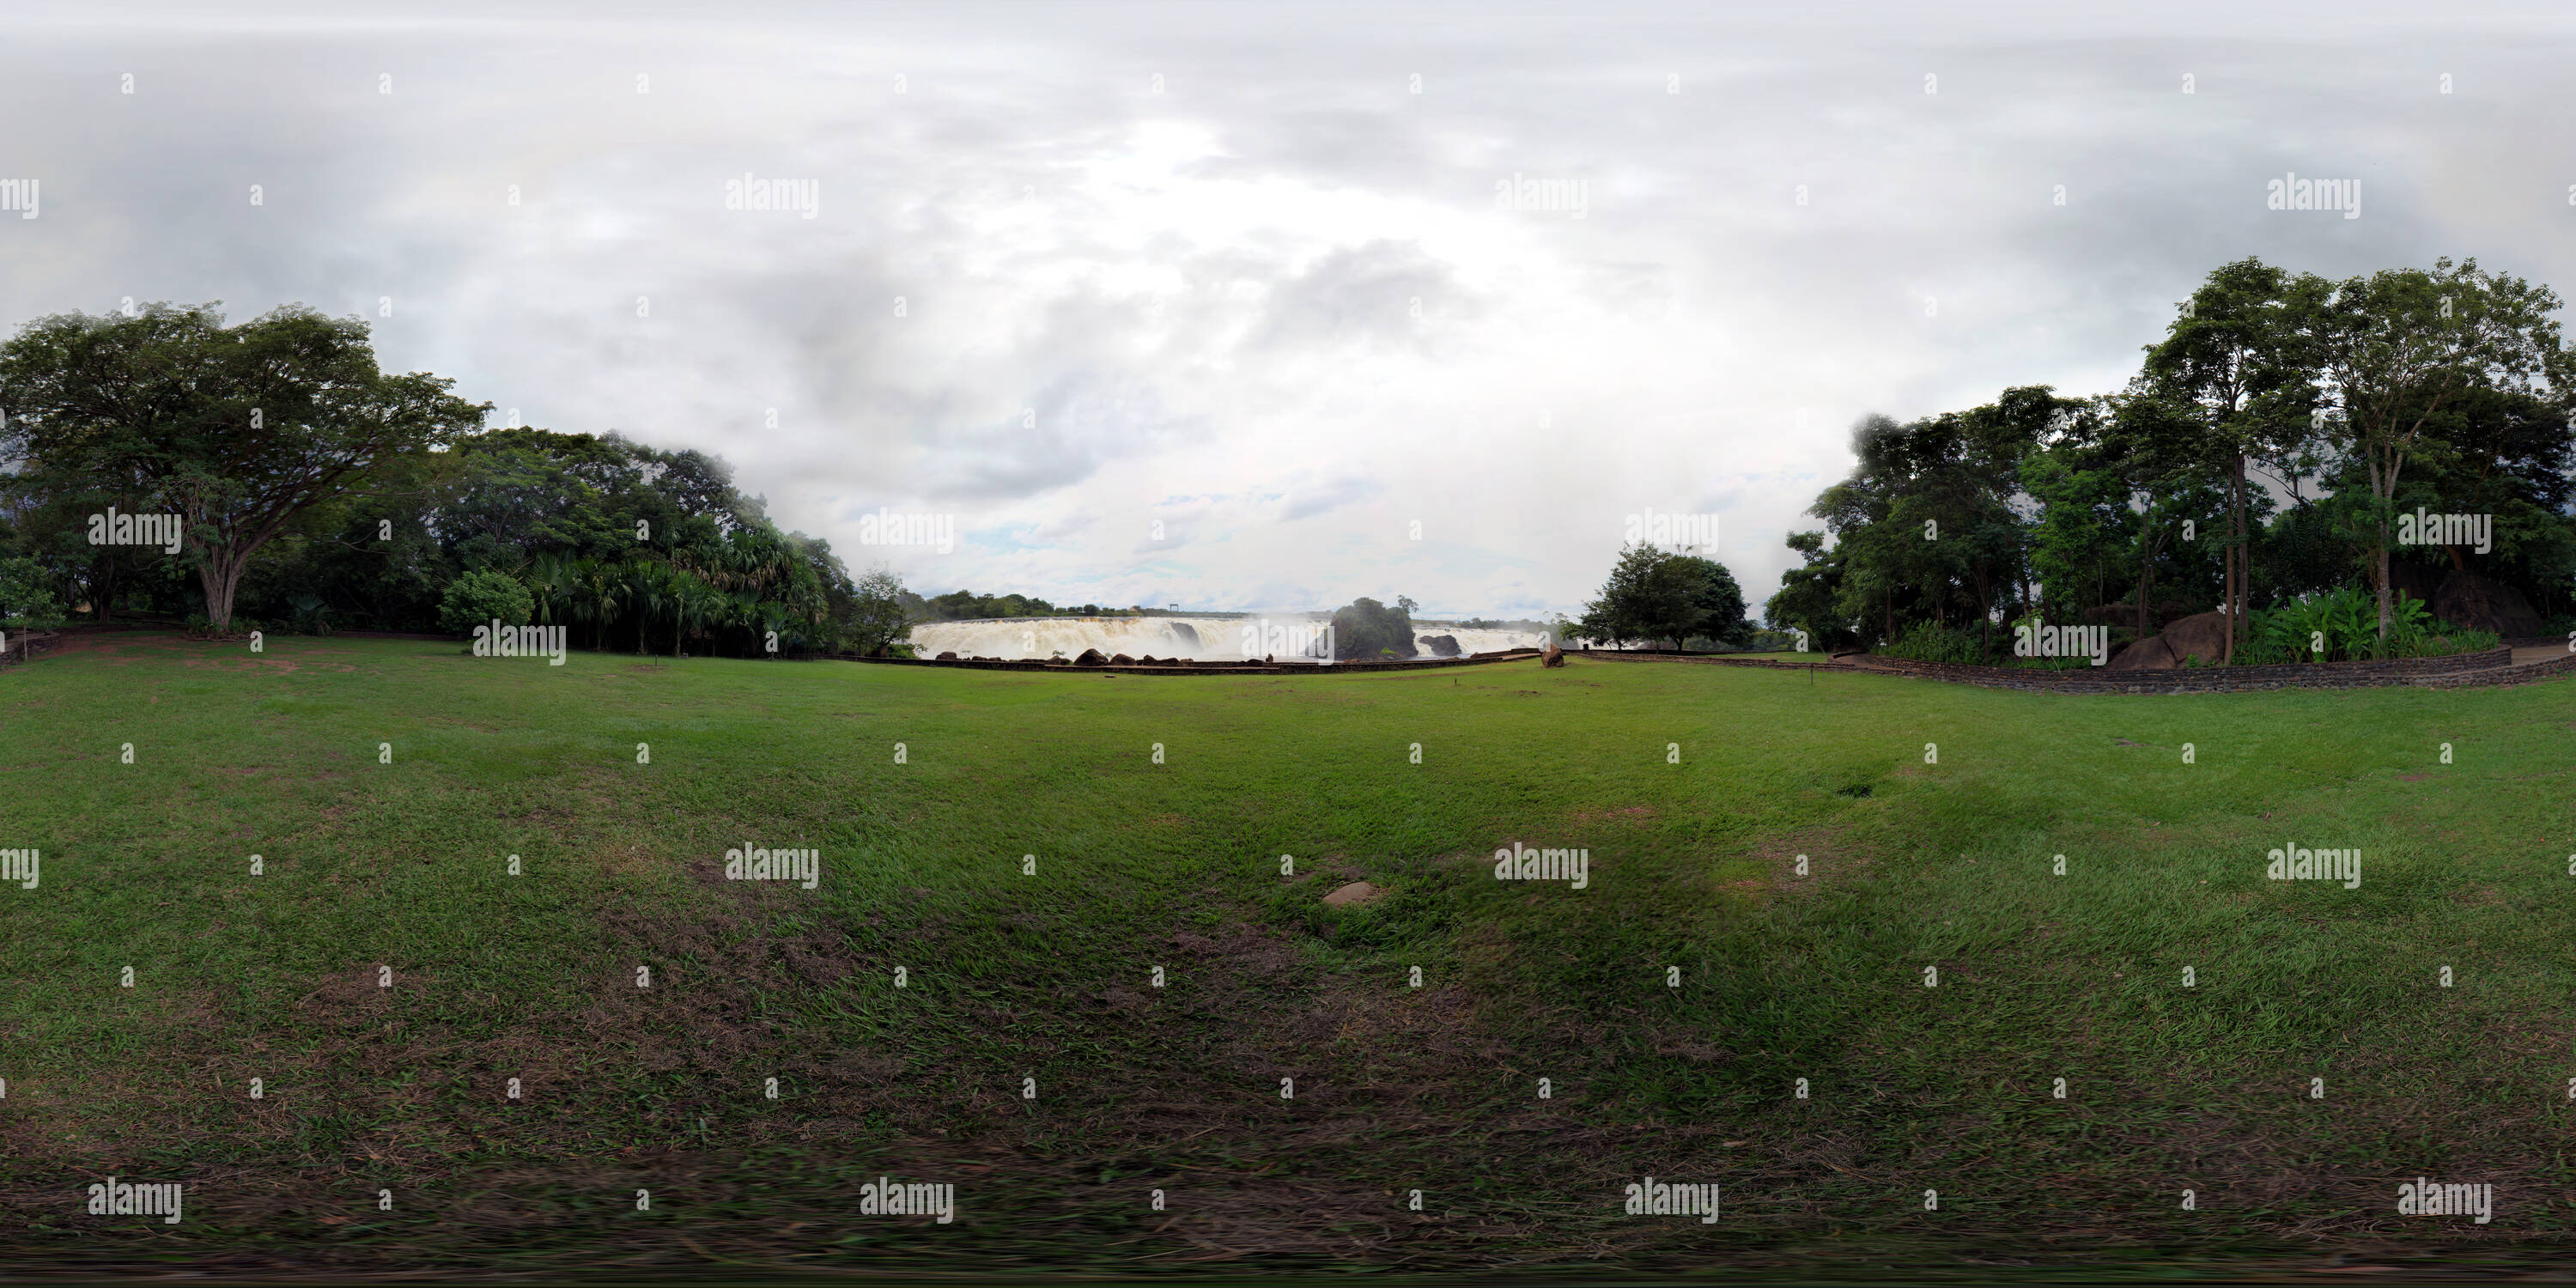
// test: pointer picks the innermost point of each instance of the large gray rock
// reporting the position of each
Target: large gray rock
(1441, 645)
(2423, 581)
(2127, 614)
(2485, 604)
(2201, 635)
(1091, 657)
(2148, 654)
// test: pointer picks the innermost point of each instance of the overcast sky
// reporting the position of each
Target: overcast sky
(1241, 270)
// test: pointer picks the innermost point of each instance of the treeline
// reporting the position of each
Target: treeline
(2271, 453)
(1663, 597)
(966, 605)
(314, 492)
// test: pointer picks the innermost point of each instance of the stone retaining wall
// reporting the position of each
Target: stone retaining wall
(2447, 672)
(2461, 670)
(2532, 674)
(23, 645)
(1707, 659)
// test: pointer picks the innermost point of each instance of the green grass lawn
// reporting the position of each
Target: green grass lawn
(1014, 981)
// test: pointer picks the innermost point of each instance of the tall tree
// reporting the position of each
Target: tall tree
(2156, 447)
(2394, 350)
(237, 428)
(2233, 357)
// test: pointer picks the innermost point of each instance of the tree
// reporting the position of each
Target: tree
(2398, 348)
(239, 429)
(26, 593)
(1719, 601)
(1655, 594)
(1806, 596)
(2233, 356)
(480, 598)
(878, 617)
(2155, 448)
(1366, 630)
(2083, 522)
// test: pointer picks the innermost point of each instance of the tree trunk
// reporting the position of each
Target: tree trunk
(103, 588)
(2382, 492)
(2237, 552)
(221, 574)
(2146, 579)
(2384, 614)
(1985, 613)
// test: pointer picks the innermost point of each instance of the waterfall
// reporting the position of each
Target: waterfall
(1200, 639)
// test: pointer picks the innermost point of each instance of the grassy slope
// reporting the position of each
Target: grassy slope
(1139, 865)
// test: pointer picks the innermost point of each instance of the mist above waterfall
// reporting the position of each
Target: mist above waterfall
(1199, 639)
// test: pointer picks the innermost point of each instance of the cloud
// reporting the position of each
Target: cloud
(1270, 301)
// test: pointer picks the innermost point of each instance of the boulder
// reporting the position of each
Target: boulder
(1147, 660)
(949, 656)
(1122, 660)
(1553, 656)
(1091, 657)
(2423, 581)
(1441, 645)
(2149, 654)
(2483, 603)
(1357, 892)
(2127, 614)
(2201, 635)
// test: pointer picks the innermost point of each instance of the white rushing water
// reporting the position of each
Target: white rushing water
(1200, 639)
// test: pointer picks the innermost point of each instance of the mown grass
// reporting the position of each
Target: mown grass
(1913, 861)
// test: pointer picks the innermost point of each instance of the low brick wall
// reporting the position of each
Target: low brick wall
(2453, 671)
(1707, 659)
(23, 645)
(1216, 668)
(2462, 670)
(2532, 674)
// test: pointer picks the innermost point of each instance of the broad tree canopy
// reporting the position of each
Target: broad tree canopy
(235, 428)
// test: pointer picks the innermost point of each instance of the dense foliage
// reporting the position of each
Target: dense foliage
(1368, 631)
(1659, 597)
(2262, 457)
(318, 493)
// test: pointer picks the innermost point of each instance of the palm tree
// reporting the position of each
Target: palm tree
(603, 592)
(550, 582)
(647, 585)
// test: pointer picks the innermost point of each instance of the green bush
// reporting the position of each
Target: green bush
(476, 598)
(311, 617)
(1934, 642)
(2347, 621)
(26, 598)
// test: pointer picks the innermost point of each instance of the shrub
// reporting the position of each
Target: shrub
(2347, 620)
(25, 598)
(1934, 642)
(311, 616)
(476, 598)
